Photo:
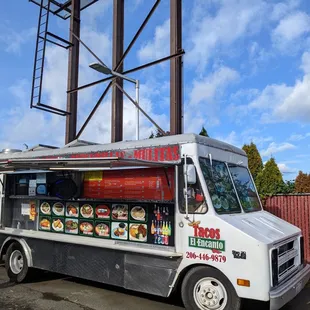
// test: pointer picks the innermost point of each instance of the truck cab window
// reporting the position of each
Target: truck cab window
(245, 188)
(220, 186)
(196, 199)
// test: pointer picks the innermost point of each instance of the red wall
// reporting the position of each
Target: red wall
(295, 209)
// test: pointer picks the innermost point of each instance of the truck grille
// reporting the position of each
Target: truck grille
(285, 260)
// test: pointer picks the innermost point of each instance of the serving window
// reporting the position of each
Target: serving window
(135, 205)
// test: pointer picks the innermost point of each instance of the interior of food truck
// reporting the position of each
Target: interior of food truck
(134, 204)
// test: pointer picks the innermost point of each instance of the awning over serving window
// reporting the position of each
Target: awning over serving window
(77, 164)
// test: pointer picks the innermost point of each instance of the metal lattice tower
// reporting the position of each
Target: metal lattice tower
(65, 9)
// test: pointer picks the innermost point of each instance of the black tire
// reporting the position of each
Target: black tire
(22, 274)
(198, 273)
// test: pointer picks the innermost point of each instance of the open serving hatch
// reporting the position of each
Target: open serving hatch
(77, 164)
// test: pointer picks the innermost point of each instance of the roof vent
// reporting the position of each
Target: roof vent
(10, 151)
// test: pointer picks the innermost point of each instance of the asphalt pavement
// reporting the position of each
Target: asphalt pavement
(49, 291)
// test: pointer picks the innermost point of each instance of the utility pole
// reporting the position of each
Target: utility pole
(176, 68)
(73, 71)
(118, 50)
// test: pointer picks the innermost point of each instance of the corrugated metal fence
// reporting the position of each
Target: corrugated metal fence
(294, 209)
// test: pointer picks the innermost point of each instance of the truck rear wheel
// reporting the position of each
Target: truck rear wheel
(16, 264)
(205, 288)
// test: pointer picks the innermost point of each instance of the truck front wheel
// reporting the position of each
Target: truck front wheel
(205, 288)
(16, 263)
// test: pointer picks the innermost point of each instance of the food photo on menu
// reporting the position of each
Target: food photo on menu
(45, 223)
(102, 229)
(119, 230)
(72, 226)
(103, 211)
(138, 232)
(87, 211)
(72, 209)
(138, 213)
(120, 212)
(58, 225)
(86, 228)
(58, 209)
(45, 208)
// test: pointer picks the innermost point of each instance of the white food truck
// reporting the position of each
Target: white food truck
(151, 216)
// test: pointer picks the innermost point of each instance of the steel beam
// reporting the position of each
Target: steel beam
(136, 36)
(73, 71)
(118, 50)
(176, 68)
(94, 110)
(141, 110)
(63, 7)
(152, 63)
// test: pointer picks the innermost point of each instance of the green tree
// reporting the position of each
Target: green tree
(302, 183)
(158, 134)
(269, 181)
(255, 161)
(204, 132)
(288, 188)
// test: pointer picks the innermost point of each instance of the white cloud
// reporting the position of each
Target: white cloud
(271, 95)
(209, 34)
(203, 94)
(296, 105)
(283, 8)
(159, 46)
(96, 11)
(289, 30)
(215, 26)
(284, 103)
(32, 127)
(207, 89)
(274, 148)
(305, 62)
(293, 26)
(231, 138)
(12, 40)
(299, 137)
(255, 136)
(284, 168)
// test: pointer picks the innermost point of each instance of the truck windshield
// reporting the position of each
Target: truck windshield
(245, 188)
(220, 186)
(222, 183)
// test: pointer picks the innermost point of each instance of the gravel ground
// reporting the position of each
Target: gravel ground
(53, 292)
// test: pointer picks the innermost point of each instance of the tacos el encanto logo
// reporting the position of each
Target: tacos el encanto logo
(207, 238)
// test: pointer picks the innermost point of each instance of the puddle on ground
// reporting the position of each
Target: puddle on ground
(51, 296)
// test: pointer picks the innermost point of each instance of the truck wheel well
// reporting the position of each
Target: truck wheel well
(5, 248)
(183, 273)
(22, 243)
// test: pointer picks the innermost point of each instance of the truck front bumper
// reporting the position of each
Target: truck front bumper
(289, 289)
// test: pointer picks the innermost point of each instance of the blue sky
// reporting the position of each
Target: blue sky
(246, 74)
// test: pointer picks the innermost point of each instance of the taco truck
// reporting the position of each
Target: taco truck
(155, 216)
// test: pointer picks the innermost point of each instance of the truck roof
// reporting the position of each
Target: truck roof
(79, 146)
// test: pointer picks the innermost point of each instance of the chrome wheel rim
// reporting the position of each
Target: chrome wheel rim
(16, 262)
(210, 294)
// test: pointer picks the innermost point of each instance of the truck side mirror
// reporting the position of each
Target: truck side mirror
(191, 174)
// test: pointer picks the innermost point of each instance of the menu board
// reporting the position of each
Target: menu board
(133, 222)
(139, 184)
